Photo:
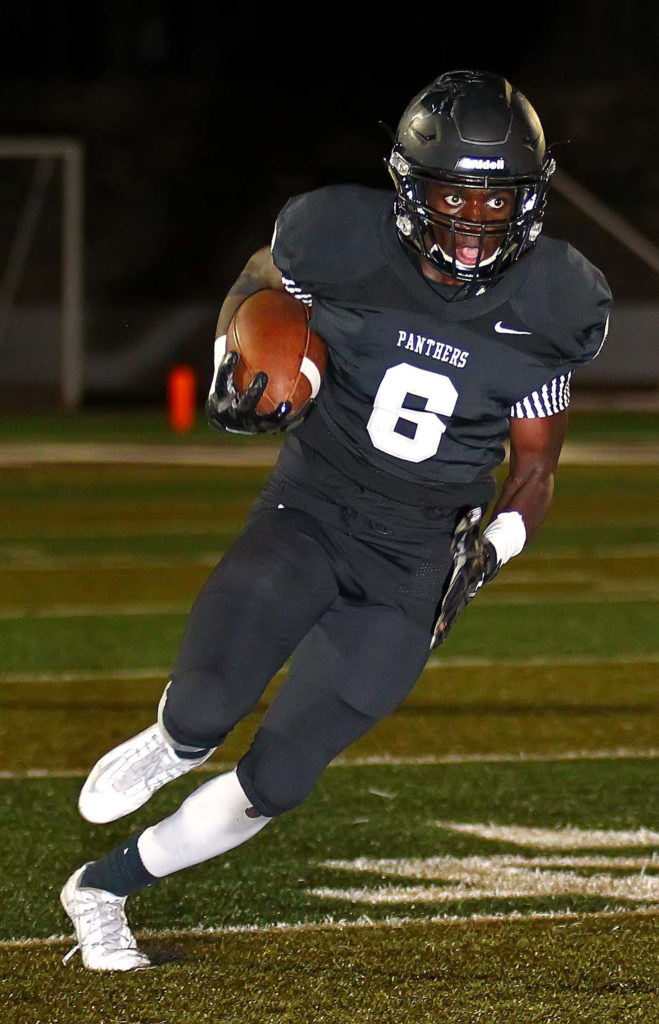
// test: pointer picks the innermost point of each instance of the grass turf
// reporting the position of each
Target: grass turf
(356, 812)
(586, 589)
(600, 971)
(454, 710)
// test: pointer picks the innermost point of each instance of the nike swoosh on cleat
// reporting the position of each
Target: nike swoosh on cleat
(500, 329)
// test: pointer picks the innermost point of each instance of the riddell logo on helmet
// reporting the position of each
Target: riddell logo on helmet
(473, 163)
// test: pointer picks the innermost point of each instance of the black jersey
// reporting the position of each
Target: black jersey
(419, 391)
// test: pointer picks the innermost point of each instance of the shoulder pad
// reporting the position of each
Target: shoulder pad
(330, 235)
(571, 297)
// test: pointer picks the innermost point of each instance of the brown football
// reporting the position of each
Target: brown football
(270, 332)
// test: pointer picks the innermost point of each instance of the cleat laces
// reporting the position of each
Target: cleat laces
(99, 917)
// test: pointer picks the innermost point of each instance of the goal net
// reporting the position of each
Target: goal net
(41, 250)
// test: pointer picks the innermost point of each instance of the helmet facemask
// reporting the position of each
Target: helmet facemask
(487, 247)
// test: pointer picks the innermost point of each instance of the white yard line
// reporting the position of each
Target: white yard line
(560, 554)
(25, 453)
(85, 675)
(330, 924)
(435, 661)
(386, 761)
(28, 453)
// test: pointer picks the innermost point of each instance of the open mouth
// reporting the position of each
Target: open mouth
(466, 257)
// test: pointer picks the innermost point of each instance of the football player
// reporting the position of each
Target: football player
(452, 326)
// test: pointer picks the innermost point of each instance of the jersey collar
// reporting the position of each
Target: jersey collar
(410, 274)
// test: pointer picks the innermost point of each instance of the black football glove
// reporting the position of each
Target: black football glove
(474, 563)
(228, 409)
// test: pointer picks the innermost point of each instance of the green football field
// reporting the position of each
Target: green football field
(490, 853)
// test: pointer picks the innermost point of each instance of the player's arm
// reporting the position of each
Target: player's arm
(535, 448)
(226, 408)
(258, 273)
(522, 505)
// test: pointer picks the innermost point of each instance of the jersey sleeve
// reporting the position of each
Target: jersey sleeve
(553, 397)
(567, 302)
(325, 237)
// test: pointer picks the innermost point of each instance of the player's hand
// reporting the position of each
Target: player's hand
(233, 411)
(474, 563)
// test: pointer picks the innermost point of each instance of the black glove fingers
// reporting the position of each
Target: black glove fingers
(224, 379)
(247, 402)
(224, 391)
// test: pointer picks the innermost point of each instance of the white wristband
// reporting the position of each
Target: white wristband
(219, 353)
(507, 534)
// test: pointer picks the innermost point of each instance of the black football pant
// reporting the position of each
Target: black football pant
(346, 580)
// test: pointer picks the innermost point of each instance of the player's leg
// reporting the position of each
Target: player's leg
(258, 603)
(356, 666)
(215, 818)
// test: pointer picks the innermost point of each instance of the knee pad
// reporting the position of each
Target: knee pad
(277, 773)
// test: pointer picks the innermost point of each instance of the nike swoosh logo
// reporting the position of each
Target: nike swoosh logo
(500, 329)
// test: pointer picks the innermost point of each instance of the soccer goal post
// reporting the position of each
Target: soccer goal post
(46, 153)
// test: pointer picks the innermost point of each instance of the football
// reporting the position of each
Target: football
(270, 331)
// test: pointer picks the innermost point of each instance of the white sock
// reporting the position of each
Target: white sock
(210, 821)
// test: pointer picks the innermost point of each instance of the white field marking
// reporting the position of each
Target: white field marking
(604, 551)
(540, 661)
(87, 675)
(625, 453)
(502, 883)
(636, 594)
(382, 760)
(503, 876)
(7, 775)
(25, 453)
(555, 838)
(330, 923)
(435, 661)
(387, 760)
(433, 867)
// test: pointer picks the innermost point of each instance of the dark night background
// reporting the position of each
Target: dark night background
(199, 121)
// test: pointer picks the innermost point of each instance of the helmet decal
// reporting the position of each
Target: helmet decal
(478, 163)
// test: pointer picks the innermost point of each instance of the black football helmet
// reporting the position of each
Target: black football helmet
(471, 129)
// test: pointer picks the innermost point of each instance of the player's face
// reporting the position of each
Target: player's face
(471, 223)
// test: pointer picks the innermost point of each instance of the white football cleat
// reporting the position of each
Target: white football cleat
(127, 776)
(105, 940)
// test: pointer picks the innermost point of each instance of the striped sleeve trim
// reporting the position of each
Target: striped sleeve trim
(296, 291)
(553, 397)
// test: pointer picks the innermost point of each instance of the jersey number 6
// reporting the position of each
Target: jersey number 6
(388, 409)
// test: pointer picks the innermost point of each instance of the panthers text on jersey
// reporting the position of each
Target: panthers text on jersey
(419, 390)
